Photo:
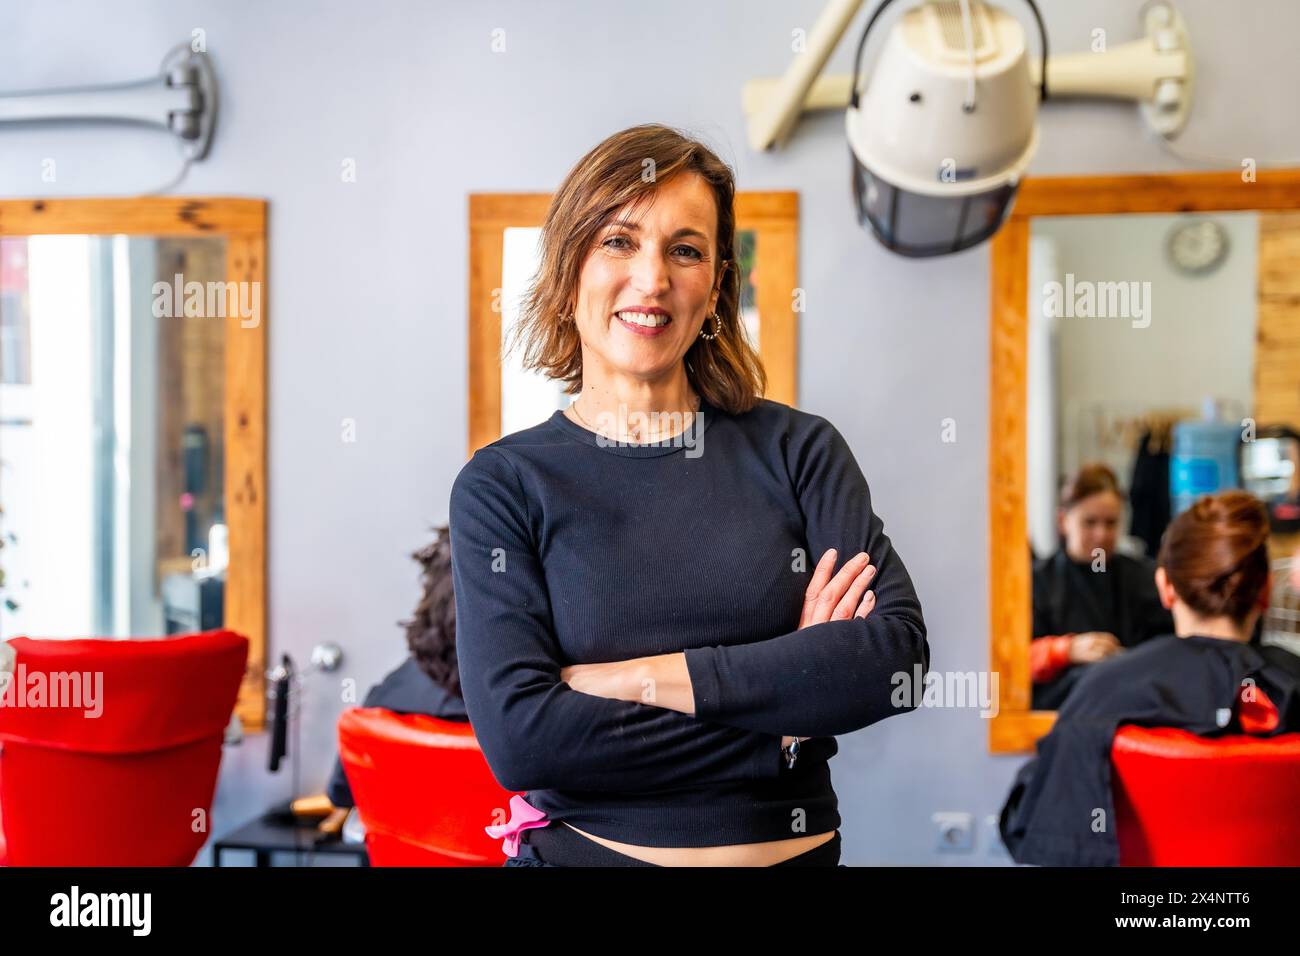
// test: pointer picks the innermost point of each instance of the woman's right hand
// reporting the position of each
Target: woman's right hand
(1092, 646)
(834, 599)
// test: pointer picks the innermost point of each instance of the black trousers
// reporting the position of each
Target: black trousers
(558, 845)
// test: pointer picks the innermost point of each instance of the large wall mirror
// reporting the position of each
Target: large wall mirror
(504, 231)
(1145, 350)
(132, 421)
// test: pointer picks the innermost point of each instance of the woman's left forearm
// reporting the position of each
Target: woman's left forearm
(661, 680)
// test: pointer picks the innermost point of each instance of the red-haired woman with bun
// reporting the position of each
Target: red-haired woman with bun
(1207, 677)
(1090, 601)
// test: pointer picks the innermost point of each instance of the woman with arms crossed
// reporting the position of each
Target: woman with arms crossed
(641, 636)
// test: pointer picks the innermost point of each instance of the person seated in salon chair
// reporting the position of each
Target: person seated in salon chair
(1089, 601)
(1208, 677)
(428, 681)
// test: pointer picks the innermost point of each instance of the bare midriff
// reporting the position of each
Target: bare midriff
(737, 854)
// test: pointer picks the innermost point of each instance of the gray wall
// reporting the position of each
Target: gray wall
(1199, 343)
(368, 284)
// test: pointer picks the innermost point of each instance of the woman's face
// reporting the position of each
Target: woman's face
(660, 256)
(1091, 524)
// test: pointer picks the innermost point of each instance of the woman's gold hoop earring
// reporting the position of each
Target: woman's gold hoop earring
(717, 328)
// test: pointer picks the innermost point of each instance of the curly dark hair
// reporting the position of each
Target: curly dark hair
(431, 633)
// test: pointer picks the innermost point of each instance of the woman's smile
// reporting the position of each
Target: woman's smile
(644, 323)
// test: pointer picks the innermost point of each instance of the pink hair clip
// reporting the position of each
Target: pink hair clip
(523, 816)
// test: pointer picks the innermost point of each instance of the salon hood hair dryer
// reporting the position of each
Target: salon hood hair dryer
(941, 132)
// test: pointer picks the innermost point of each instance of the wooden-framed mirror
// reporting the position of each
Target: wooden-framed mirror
(503, 236)
(1124, 308)
(133, 420)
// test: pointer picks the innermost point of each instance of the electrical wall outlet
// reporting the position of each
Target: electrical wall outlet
(956, 831)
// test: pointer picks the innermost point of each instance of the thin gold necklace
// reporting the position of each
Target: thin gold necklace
(635, 436)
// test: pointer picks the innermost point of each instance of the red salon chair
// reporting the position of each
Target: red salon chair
(422, 787)
(1186, 800)
(122, 771)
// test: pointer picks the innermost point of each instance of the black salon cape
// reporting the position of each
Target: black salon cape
(1070, 598)
(406, 690)
(1168, 681)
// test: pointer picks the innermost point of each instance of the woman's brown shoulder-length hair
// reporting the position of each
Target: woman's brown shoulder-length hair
(625, 170)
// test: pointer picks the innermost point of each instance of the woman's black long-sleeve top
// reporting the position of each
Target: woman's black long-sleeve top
(569, 549)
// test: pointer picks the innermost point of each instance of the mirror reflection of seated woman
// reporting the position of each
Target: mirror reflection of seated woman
(1209, 679)
(1082, 615)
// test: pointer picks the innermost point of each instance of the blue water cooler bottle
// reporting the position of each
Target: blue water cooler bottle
(1204, 460)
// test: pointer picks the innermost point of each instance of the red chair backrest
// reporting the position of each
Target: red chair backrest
(118, 768)
(1186, 800)
(422, 787)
